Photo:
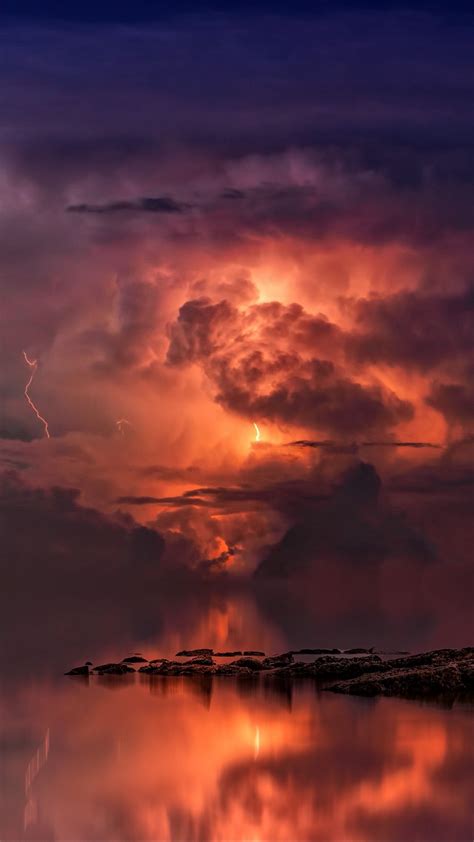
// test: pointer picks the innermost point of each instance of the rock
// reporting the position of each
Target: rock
(254, 653)
(134, 659)
(418, 682)
(247, 663)
(358, 651)
(190, 653)
(278, 661)
(84, 670)
(328, 667)
(88, 663)
(227, 654)
(390, 652)
(113, 669)
(443, 671)
(203, 661)
(317, 652)
(198, 666)
(427, 658)
(229, 669)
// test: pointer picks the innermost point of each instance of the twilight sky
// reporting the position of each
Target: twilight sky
(234, 216)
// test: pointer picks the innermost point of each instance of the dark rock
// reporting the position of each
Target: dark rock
(203, 661)
(84, 670)
(232, 669)
(358, 651)
(88, 663)
(247, 663)
(390, 652)
(428, 658)
(190, 653)
(134, 659)
(441, 672)
(278, 661)
(227, 654)
(317, 652)
(256, 653)
(113, 669)
(198, 666)
(447, 678)
(328, 667)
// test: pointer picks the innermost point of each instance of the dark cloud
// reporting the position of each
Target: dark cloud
(96, 578)
(265, 363)
(455, 401)
(414, 329)
(281, 496)
(316, 396)
(157, 204)
(352, 526)
(355, 445)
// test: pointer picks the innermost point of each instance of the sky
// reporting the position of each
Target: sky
(220, 215)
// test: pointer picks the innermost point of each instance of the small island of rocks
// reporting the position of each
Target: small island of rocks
(356, 671)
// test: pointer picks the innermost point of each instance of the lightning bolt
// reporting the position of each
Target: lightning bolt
(33, 364)
(257, 432)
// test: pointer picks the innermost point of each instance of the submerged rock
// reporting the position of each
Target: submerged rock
(190, 653)
(134, 659)
(255, 653)
(227, 654)
(317, 652)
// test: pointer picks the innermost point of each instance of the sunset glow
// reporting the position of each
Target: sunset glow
(236, 420)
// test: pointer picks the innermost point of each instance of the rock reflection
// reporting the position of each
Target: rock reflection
(217, 759)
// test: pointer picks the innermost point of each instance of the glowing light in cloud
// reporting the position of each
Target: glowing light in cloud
(33, 364)
(257, 432)
(120, 425)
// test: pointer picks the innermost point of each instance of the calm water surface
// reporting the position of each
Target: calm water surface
(187, 759)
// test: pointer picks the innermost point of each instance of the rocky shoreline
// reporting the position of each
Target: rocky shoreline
(362, 672)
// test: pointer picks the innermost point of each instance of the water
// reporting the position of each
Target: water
(222, 759)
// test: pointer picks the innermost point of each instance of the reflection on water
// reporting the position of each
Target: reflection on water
(215, 759)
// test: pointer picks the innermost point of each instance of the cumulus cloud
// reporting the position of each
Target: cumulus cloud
(270, 362)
